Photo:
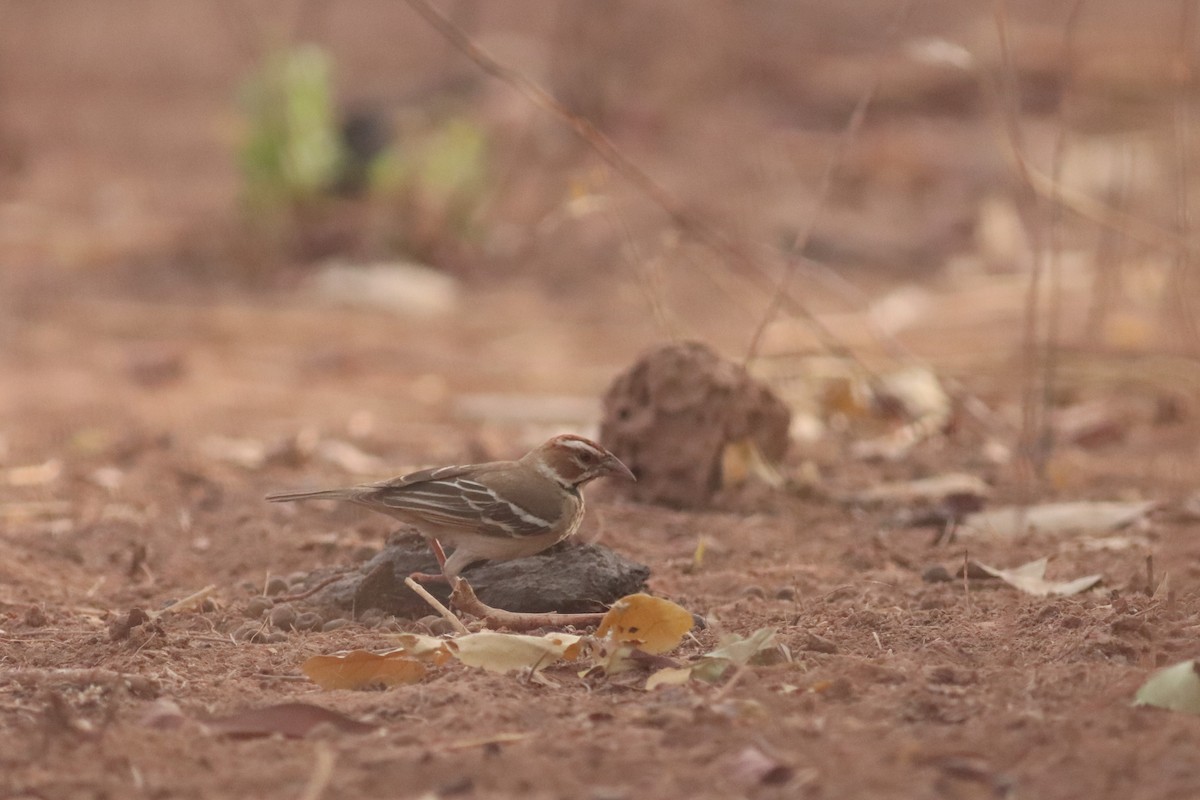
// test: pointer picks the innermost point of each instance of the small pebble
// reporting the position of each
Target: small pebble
(308, 621)
(35, 617)
(936, 574)
(785, 593)
(283, 616)
(297, 579)
(208, 606)
(442, 625)
(754, 591)
(371, 618)
(334, 624)
(277, 585)
(258, 606)
(427, 621)
(275, 637)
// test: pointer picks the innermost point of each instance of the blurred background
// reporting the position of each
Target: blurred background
(237, 206)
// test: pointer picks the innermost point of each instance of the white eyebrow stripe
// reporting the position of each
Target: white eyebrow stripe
(579, 444)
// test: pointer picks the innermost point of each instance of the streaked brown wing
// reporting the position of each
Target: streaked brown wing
(446, 497)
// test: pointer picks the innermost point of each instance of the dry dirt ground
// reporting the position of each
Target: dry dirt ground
(131, 426)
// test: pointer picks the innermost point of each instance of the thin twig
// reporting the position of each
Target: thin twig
(446, 613)
(291, 598)
(853, 125)
(464, 598)
(687, 222)
(322, 772)
(193, 599)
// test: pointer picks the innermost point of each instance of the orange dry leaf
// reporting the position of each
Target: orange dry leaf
(651, 624)
(360, 669)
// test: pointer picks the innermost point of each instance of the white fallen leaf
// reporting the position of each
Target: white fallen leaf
(409, 290)
(248, 453)
(1054, 518)
(742, 460)
(737, 651)
(1176, 687)
(350, 458)
(1031, 579)
(668, 676)
(507, 652)
(923, 490)
(422, 647)
(34, 474)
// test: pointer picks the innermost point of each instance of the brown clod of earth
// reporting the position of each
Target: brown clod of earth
(670, 416)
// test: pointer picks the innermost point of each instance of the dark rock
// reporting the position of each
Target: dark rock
(936, 574)
(566, 578)
(671, 415)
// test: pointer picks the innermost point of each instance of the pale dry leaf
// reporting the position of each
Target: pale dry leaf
(735, 651)
(404, 289)
(507, 652)
(753, 766)
(34, 474)
(923, 490)
(362, 669)
(742, 460)
(349, 457)
(422, 647)
(668, 676)
(1176, 688)
(1054, 519)
(1031, 579)
(247, 453)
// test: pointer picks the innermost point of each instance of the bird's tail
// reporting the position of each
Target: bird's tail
(322, 494)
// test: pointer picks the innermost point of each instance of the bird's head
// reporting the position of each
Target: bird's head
(573, 461)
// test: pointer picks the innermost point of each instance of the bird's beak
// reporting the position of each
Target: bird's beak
(617, 467)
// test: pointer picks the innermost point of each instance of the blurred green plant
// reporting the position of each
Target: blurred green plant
(436, 179)
(306, 172)
(292, 150)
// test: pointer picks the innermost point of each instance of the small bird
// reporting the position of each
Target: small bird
(489, 512)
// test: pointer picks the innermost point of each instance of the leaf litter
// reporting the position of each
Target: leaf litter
(1031, 579)
(636, 625)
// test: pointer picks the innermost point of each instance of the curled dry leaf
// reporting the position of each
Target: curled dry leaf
(669, 676)
(294, 720)
(34, 474)
(1031, 579)
(1054, 519)
(1176, 688)
(361, 669)
(754, 766)
(736, 651)
(924, 490)
(423, 648)
(648, 623)
(506, 652)
(742, 460)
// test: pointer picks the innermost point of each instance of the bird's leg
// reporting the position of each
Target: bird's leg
(434, 577)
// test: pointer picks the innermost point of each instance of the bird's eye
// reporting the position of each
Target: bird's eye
(587, 457)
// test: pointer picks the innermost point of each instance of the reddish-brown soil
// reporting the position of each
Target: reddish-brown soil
(121, 386)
